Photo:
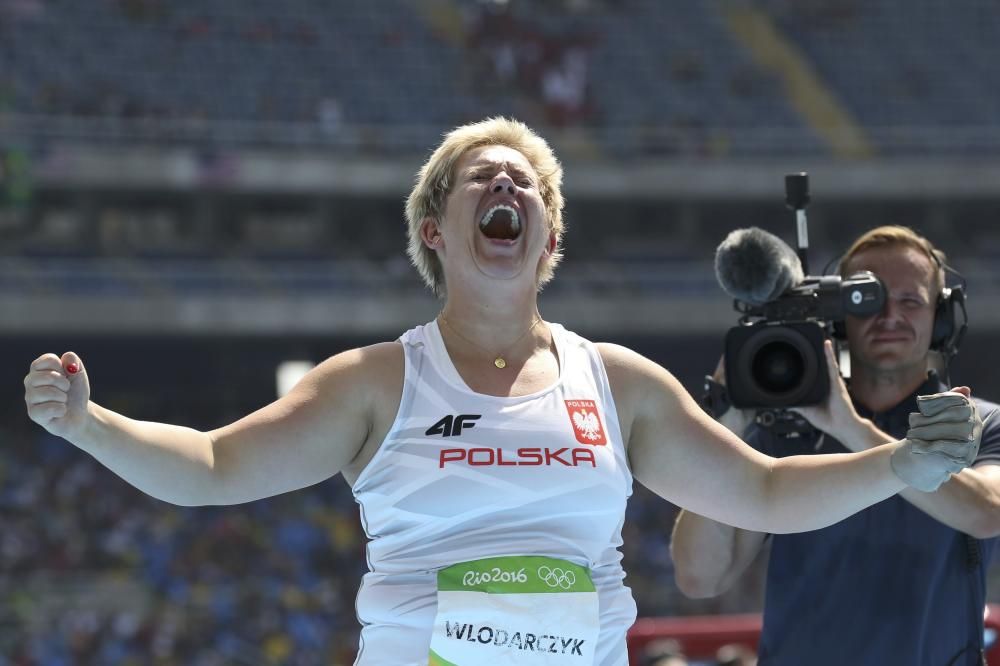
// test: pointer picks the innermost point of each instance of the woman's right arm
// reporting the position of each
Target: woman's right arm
(304, 437)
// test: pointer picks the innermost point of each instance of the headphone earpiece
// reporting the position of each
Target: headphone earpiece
(948, 331)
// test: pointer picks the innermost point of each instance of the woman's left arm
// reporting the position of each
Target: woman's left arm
(681, 454)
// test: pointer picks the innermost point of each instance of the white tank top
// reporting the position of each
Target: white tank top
(464, 476)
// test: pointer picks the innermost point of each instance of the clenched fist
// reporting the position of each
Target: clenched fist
(57, 392)
(943, 439)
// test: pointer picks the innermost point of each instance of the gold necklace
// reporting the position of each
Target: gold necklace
(500, 362)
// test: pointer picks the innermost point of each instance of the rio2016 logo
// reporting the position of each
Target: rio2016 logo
(494, 575)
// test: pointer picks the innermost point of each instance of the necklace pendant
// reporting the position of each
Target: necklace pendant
(499, 362)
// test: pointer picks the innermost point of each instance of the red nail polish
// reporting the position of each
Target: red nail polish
(72, 368)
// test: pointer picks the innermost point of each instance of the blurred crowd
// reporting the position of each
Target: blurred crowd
(508, 53)
(270, 582)
(99, 573)
(668, 652)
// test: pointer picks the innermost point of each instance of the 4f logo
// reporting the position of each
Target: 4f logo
(452, 425)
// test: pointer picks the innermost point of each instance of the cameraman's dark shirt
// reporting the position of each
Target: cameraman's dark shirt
(889, 586)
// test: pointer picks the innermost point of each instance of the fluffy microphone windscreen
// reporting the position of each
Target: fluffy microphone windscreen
(755, 266)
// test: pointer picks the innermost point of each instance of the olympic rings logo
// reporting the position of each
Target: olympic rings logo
(557, 577)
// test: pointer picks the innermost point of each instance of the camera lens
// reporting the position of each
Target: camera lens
(778, 367)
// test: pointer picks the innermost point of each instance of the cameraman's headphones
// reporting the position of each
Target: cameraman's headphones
(949, 327)
(951, 320)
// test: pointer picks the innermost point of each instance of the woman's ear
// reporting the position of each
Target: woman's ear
(550, 247)
(430, 233)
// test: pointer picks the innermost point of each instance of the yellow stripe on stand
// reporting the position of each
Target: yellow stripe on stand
(808, 94)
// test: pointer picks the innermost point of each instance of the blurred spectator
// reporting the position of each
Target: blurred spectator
(735, 655)
(511, 55)
(664, 652)
(564, 87)
(503, 48)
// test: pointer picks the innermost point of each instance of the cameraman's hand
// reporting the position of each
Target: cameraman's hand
(837, 416)
(943, 439)
(735, 419)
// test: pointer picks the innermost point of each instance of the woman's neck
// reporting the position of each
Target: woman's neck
(492, 321)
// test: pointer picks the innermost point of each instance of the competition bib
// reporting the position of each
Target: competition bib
(513, 611)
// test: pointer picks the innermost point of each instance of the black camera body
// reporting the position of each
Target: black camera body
(774, 358)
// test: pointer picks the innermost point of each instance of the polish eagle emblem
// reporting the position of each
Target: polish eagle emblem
(587, 425)
(585, 417)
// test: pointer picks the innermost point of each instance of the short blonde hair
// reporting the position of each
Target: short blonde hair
(427, 199)
(897, 236)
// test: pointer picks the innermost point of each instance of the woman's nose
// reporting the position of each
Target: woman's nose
(503, 183)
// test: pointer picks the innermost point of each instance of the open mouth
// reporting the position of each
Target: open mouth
(501, 223)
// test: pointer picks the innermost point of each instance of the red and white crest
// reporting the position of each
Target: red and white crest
(586, 420)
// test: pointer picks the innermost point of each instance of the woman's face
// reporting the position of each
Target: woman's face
(494, 224)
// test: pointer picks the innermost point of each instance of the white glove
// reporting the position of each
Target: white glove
(943, 439)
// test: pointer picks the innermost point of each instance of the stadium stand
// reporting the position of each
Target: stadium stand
(194, 98)
(877, 60)
(297, 70)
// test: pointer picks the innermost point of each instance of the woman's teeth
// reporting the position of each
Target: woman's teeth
(501, 222)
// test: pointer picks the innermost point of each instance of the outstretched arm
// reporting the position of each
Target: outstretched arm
(306, 436)
(968, 502)
(684, 456)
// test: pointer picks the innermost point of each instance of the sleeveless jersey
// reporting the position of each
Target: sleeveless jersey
(463, 476)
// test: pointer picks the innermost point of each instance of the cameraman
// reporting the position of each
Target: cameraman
(902, 582)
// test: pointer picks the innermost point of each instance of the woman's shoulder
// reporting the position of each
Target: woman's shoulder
(371, 371)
